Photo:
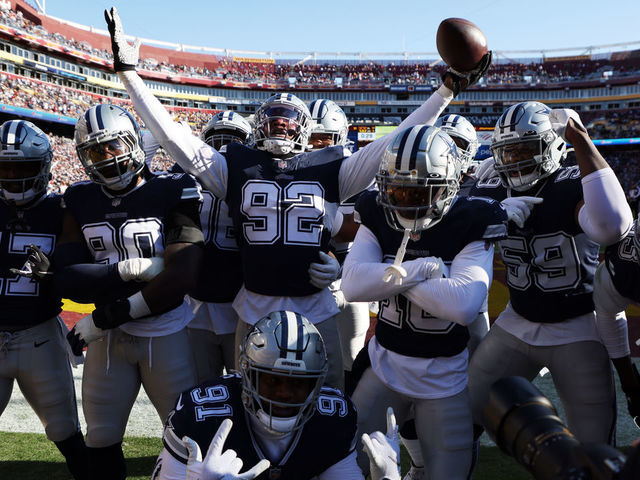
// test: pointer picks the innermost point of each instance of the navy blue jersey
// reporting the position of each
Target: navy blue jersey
(466, 184)
(221, 273)
(282, 215)
(621, 260)
(116, 228)
(326, 438)
(550, 262)
(25, 302)
(405, 328)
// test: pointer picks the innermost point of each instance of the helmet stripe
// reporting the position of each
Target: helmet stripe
(10, 136)
(99, 117)
(87, 120)
(18, 136)
(300, 344)
(285, 334)
(400, 160)
(416, 145)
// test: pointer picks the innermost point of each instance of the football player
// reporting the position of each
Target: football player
(283, 200)
(136, 335)
(616, 285)
(331, 128)
(550, 260)
(413, 231)
(212, 330)
(284, 419)
(32, 345)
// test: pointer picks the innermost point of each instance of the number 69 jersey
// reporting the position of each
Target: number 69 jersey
(550, 262)
(25, 303)
(326, 438)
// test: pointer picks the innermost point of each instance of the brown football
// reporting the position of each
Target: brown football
(461, 44)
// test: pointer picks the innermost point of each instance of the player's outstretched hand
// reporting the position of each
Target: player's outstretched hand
(322, 274)
(125, 56)
(37, 265)
(519, 208)
(84, 332)
(219, 465)
(140, 269)
(457, 81)
(383, 451)
(560, 122)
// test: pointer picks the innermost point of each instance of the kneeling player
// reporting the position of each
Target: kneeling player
(279, 408)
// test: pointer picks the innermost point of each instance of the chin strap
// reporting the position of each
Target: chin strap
(396, 272)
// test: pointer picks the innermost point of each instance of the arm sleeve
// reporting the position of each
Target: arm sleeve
(611, 320)
(458, 298)
(358, 170)
(345, 469)
(363, 271)
(170, 468)
(191, 153)
(605, 216)
(91, 283)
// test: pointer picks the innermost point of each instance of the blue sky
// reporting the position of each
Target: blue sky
(364, 26)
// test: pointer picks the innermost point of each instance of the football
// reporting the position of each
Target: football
(461, 44)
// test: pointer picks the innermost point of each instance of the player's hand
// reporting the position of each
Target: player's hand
(383, 451)
(458, 81)
(218, 465)
(519, 208)
(36, 266)
(486, 169)
(125, 56)
(560, 121)
(84, 332)
(140, 269)
(321, 275)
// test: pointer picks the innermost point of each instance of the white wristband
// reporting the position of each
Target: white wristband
(138, 306)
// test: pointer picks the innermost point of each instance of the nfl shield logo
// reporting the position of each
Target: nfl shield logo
(115, 202)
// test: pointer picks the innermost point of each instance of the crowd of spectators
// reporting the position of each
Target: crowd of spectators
(357, 74)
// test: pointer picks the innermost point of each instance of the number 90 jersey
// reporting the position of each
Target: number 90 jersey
(326, 438)
(283, 216)
(550, 262)
(25, 303)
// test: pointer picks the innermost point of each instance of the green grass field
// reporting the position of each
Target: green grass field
(30, 456)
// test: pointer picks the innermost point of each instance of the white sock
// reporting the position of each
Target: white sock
(415, 451)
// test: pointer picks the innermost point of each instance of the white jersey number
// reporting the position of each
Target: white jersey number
(295, 211)
(549, 261)
(217, 225)
(398, 311)
(136, 238)
(19, 245)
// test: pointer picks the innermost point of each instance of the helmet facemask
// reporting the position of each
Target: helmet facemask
(25, 162)
(282, 127)
(283, 364)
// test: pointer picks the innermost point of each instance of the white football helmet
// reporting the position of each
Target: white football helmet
(463, 134)
(283, 344)
(329, 119)
(524, 146)
(418, 178)
(109, 145)
(25, 162)
(224, 128)
(283, 125)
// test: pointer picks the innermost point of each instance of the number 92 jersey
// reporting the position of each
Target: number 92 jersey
(25, 303)
(283, 215)
(550, 262)
(325, 439)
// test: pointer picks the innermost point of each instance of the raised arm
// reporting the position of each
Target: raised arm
(191, 153)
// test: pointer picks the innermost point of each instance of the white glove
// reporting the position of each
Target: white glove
(321, 275)
(218, 465)
(559, 117)
(383, 451)
(125, 56)
(140, 269)
(519, 208)
(87, 331)
(486, 169)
